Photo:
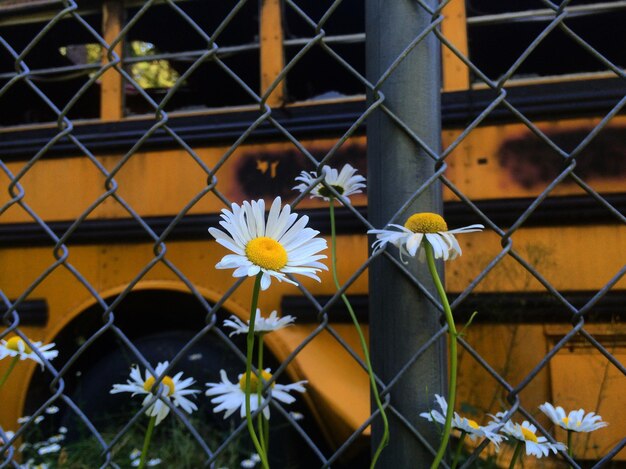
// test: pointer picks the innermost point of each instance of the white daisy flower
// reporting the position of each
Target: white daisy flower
(9, 435)
(261, 324)
(297, 416)
(53, 448)
(248, 463)
(56, 438)
(232, 396)
(149, 462)
(52, 410)
(525, 432)
(173, 389)
(275, 247)
(346, 182)
(419, 228)
(576, 420)
(16, 347)
(469, 426)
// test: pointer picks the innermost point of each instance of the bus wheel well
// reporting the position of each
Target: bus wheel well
(159, 324)
(173, 316)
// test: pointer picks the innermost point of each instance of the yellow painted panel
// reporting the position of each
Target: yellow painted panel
(507, 349)
(162, 183)
(568, 257)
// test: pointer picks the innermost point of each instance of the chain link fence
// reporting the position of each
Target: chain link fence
(397, 65)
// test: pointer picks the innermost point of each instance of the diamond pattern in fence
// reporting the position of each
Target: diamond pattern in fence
(126, 127)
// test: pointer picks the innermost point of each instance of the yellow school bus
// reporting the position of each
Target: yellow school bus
(126, 198)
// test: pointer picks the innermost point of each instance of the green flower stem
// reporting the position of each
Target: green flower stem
(457, 453)
(570, 450)
(6, 374)
(260, 419)
(385, 439)
(447, 428)
(516, 454)
(146, 442)
(250, 348)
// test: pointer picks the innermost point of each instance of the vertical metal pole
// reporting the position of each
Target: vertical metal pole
(401, 320)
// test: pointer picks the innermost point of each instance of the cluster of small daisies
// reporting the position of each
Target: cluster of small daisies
(40, 454)
(135, 459)
(229, 397)
(171, 391)
(524, 433)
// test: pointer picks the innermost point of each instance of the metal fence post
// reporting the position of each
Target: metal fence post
(401, 319)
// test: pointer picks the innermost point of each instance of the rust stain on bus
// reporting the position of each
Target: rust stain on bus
(531, 162)
(270, 173)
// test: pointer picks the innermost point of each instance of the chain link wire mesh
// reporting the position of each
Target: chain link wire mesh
(267, 116)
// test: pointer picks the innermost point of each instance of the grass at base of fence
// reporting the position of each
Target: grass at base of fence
(172, 444)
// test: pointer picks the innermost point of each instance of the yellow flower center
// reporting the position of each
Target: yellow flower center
(426, 223)
(14, 342)
(267, 253)
(473, 424)
(254, 381)
(565, 420)
(167, 381)
(528, 435)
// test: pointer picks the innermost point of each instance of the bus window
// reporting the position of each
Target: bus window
(169, 56)
(319, 75)
(60, 63)
(499, 33)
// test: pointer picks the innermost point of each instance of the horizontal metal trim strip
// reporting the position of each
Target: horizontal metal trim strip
(202, 129)
(497, 308)
(557, 211)
(548, 101)
(553, 211)
(30, 312)
(316, 120)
